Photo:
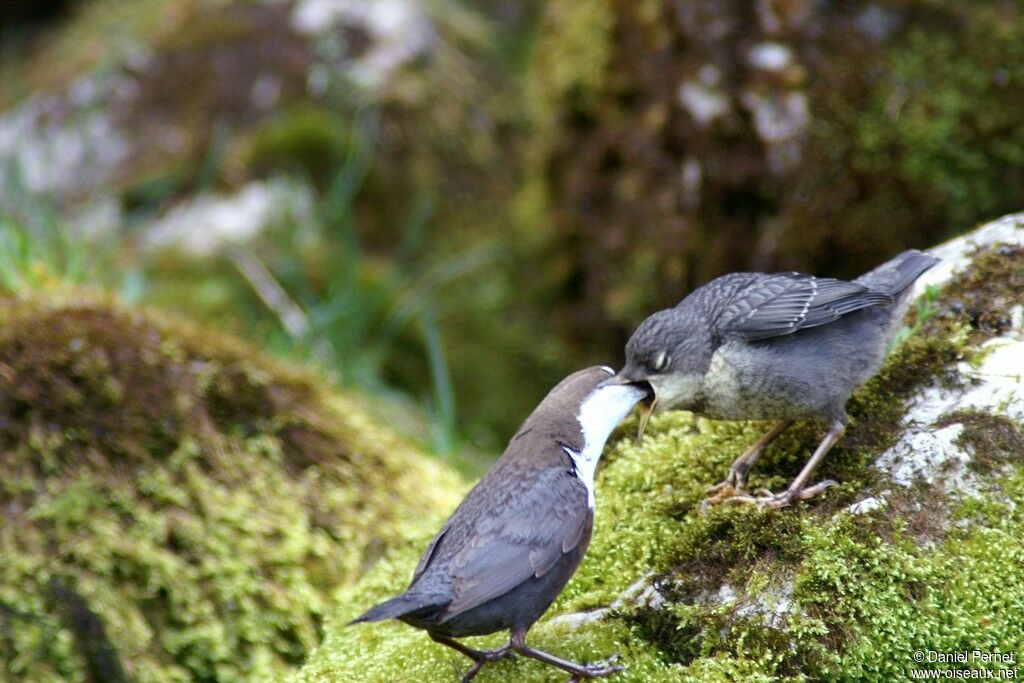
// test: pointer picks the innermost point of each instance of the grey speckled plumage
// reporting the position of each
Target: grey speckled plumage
(783, 346)
(513, 543)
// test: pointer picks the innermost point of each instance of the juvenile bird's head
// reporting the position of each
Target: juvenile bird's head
(670, 350)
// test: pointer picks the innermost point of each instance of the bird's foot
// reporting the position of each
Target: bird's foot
(484, 656)
(598, 669)
(731, 489)
(767, 499)
(726, 494)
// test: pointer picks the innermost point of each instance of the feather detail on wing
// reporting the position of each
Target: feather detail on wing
(543, 522)
(783, 303)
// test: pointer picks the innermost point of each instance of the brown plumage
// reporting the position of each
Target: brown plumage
(512, 545)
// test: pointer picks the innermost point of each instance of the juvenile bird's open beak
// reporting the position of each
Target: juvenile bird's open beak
(629, 375)
(645, 415)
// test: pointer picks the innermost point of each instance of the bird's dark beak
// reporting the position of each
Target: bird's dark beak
(617, 379)
(628, 375)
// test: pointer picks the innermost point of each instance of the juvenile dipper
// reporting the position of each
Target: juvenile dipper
(513, 543)
(782, 346)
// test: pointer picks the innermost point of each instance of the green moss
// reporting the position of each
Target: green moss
(310, 140)
(984, 296)
(993, 440)
(193, 500)
(810, 592)
(573, 53)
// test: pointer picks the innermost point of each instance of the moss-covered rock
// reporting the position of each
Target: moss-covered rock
(167, 97)
(912, 551)
(175, 505)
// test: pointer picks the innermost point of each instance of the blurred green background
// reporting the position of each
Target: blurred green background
(450, 205)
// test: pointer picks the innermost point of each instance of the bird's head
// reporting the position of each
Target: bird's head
(584, 408)
(669, 351)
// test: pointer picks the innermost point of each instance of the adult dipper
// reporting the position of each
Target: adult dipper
(513, 543)
(781, 346)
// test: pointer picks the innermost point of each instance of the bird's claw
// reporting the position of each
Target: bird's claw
(763, 498)
(598, 669)
(731, 490)
(734, 480)
(766, 499)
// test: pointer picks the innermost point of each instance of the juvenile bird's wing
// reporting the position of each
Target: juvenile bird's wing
(783, 303)
(539, 523)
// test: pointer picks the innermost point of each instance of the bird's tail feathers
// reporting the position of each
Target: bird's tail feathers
(896, 275)
(394, 608)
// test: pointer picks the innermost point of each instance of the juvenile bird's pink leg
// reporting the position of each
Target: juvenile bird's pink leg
(734, 485)
(798, 490)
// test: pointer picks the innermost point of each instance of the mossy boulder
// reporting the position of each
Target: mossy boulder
(919, 547)
(175, 505)
(163, 98)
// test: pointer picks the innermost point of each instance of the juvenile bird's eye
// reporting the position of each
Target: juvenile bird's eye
(661, 361)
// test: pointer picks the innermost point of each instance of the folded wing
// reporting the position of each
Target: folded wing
(542, 523)
(783, 303)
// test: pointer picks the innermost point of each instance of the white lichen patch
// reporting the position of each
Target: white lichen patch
(869, 504)
(999, 382)
(956, 254)
(781, 119)
(995, 386)
(704, 103)
(931, 456)
(640, 593)
(64, 144)
(771, 606)
(770, 56)
(929, 451)
(399, 32)
(208, 223)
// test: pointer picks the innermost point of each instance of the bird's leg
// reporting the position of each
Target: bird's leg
(479, 657)
(600, 669)
(735, 482)
(797, 489)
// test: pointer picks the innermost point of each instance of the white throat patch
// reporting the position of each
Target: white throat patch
(599, 414)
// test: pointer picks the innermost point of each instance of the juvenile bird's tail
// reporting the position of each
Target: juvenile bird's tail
(895, 276)
(394, 608)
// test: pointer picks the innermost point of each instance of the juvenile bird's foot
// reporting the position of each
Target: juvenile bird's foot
(481, 657)
(732, 488)
(767, 499)
(598, 669)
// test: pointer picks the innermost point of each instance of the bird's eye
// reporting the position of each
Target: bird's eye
(661, 361)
